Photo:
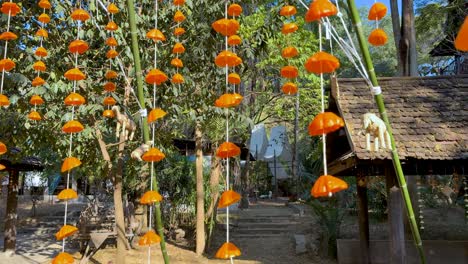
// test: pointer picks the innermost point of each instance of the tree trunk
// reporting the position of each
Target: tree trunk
(396, 33)
(408, 52)
(11, 216)
(214, 184)
(200, 228)
(244, 202)
(122, 242)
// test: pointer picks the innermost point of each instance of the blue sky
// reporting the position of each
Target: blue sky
(369, 3)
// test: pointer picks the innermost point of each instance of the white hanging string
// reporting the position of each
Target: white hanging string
(5, 51)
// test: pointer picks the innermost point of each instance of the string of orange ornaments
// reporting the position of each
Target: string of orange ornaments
(325, 122)
(39, 66)
(289, 71)
(74, 100)
(10, 9)
(154, 77)
(179, 17)
(377, 37)
(228, 28)
(111, 42)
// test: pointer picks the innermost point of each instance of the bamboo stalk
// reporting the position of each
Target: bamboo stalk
(141, 98)
(380, 103)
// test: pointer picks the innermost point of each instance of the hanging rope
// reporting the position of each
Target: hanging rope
(10, 9)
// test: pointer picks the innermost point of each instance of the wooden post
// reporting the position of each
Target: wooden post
(363, 215)
(395, 218)
(11, 216)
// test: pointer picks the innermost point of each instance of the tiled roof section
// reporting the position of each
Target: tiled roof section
(429, 115)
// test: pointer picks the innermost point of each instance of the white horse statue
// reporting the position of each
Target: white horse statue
(375, 126)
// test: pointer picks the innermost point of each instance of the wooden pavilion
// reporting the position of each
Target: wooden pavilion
(429, 117)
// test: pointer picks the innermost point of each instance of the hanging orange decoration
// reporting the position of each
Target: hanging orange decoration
(41, 52)
(234, 78)
(111, 41)
(110, 74)
(377, 37)
(42, 33)
(149, 238)
(228, 198)
(179, 16)
(176, 62)
(65, 231)
(112, 26)
(234, 40)
(67, 194)
(228, 100)
(75, 75)
(151, 197)
(228, 150)
(177, 78)
(226, 27)
(45, 4)
(289, 52)
(228, 250)
(78, 46)
(2, 167)
(289, 88)
(34, 115)
(156, 76)
(178, 48)
(179, 31)
(109, 87)
(63, 258)
(234, 10)
(4, 100)
(155, 35)
(109, 101)
(112, 53)
(179, 2)
(326, 185)
(3, 148)
(322, 62)
(289, 28)
(108, 113)
(36, 100)
(324, 123)
(38, 81)
(7, 65)
(377, 11)
(10, 8)
(288, 10)
(8, 36)
(461, 41)
(39, 66)
(227, 58)
(72, 126)
(70, 163)
(153, 155)
(44, 18)
(319, 9)
(112, 8)
(80, 14)
(156, 114)
(74, 99)
(289, 71)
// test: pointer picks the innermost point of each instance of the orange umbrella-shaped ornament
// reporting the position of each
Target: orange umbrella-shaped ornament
(75, 75)
(289, 71)
(112, 53)
(74, 99)
(149, 238)
(63, 258)
(109, 101)
(177, 78)
(112, 8)
(226, 27)
(227, 58)
(10, 8)
(72, 126)
(234, 40)
(39, 66)
(289, 28)
(156, 76)
(228, 250)
(38, 81)
(110, 74)
(70, 163)
(322, 62)
(176, 62)
(41, 52)
(289, 88)
(288, 10)
(2, 167)
(461, 41)
(8, 36)
(156, 114)
(228, 100)
(34, 115)
(44, 18)
(325, 123)
(155, 35)
(3, 148)
(150, 197)
(111, 42)
(36, 100)
(67, 194)
(234, 78)
(234, 10)
(319, 9)
(4, 101)
(228, 198)
(153, 155)
(377, 11)
(179, 16)
(7, 65)
(80, 14)
(109, 87)
(178, 31)
(45, 4)
(111, 26)
(228, 150)
(377, 37)
(42, 33)
(179, 2)
(65, 231)
(289, 52)
(327, 185)
(178, 48)
(108, 113)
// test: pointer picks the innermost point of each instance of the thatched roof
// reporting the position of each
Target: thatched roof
(429, 115)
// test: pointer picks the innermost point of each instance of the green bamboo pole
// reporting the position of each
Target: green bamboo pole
(141, 98)
(380, 103)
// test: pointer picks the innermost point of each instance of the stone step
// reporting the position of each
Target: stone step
(261, 230)
(265, 225)
(250, 237)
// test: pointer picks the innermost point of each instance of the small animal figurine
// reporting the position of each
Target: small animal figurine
(138, 152)
(127, 124)
(375, 126)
